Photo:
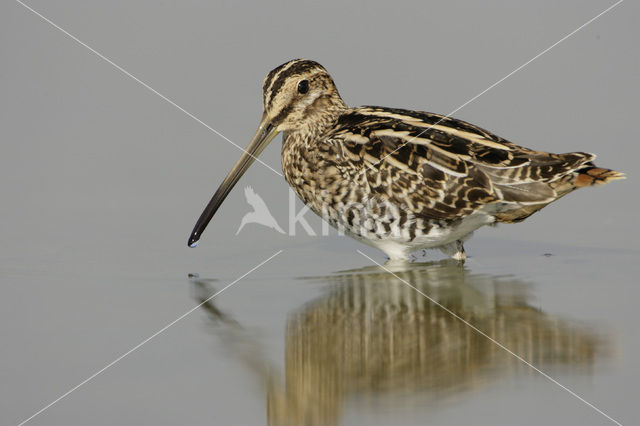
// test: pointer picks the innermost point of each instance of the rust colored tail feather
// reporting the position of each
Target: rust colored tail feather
(596, 176)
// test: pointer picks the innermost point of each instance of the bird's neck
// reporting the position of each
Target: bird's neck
(318, 122)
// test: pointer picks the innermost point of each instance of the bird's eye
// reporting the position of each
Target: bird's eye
(303, 86)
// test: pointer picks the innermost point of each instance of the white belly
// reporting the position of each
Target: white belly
(397, 243)
(443, 238)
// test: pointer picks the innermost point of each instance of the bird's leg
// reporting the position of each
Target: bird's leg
(459, 254)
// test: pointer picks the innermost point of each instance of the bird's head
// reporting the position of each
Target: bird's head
(299, 95)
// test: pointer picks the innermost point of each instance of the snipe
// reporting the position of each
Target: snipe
(399, 180)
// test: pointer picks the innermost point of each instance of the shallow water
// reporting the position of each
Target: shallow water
(102, 182)
(358, 346)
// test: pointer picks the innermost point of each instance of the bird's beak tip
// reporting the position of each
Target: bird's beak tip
(265, 133)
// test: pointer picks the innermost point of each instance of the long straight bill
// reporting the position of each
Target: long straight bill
(265, 134)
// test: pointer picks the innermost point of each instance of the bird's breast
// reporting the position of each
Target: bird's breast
(311, 169)
(339, 191)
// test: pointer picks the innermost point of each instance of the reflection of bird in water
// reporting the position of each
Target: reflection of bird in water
(260, 213)
(372, 335)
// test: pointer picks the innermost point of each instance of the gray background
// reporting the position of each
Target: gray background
(102, 180)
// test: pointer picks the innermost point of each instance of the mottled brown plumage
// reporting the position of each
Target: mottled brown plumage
(401, 180)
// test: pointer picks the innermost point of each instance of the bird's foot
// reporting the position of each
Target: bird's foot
(460, 254)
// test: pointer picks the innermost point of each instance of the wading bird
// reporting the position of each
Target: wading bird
(399, 180)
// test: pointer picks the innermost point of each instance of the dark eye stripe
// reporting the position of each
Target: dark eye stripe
(282, 114)
(268, 80)
(274, 75)
(297, 68)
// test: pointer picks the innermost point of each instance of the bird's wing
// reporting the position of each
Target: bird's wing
(449, 166)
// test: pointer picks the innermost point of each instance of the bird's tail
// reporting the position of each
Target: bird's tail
(586, 175)
(596, 176)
